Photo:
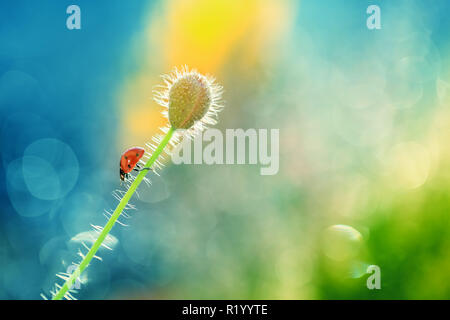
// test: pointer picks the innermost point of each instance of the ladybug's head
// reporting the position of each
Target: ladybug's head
(122, 175)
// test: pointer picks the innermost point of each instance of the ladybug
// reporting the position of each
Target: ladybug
(129, 161)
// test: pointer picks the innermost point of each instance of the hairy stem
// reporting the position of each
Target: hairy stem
(112, 220)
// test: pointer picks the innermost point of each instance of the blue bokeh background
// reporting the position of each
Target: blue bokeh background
(57, 89)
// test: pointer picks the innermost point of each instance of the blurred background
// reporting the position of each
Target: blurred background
(364, 124)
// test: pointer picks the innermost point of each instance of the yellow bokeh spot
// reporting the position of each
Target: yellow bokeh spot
(141, 116)
(202, 34)
(410, 165)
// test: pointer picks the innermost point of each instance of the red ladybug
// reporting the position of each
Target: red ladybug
(129, 161)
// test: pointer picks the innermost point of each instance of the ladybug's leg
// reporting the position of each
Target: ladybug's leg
(140, 169)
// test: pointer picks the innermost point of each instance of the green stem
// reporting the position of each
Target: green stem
(112, 220)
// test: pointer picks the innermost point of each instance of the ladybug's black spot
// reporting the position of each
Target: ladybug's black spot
(137, 154)
(129, 166)
(126, 158)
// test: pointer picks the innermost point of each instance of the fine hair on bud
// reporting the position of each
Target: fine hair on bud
(192, 100)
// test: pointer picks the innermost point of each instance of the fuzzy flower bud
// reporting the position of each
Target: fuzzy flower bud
(189, 100)
(192, 99)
